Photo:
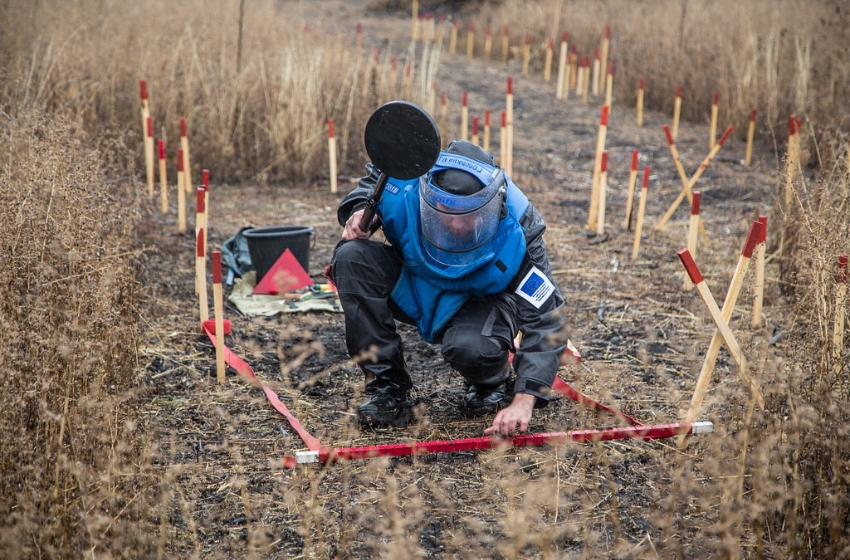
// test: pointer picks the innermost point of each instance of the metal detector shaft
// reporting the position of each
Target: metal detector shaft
(372, 202)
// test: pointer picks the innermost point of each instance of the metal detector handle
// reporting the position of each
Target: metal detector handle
(372, 202)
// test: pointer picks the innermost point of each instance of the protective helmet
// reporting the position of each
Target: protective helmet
(460, 204)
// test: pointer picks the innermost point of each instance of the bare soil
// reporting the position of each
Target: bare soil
(641, 335)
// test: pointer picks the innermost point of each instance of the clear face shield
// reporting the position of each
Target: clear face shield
(456, 228)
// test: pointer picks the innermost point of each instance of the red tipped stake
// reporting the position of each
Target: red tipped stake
(201, 276)
(182, 126)
(181, 193)
(205, 178)
(597, 170)
(840, 304)
(475, 130)
(486, 142)
(841, 277)
(565, 37)
(149, 127)
(163, 179)
(199, 203)
(330, 128)
(607, 31)
(758, 288)
(551, 43)
(695, 203)
(504, 119)
(464, 116)
(640, 82)
(143, 90)
(509, 135)
(465, 99)
(644, 189)
(332, 163)
(693, 231)
(630, 200)
(219, 316)
(162, 149)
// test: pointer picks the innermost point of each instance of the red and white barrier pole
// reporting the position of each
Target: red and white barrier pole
(693, 231)
(218, 304)
(163, 179)
(563, 74)
(758, 288)
(486, 130)
(181, 193)
(187, 167)
(597, 168)
(332, 156)
(475, 138)
(547, 60)
(840, 304)
(751, 131)
(722, 332)
(677, 111)
(464, 117)
(712, 129)
(327, 455)
(630, 197)
(640, 93)
(603, 193)
(641, 211)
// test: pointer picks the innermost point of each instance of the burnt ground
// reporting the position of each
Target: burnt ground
(641, 335)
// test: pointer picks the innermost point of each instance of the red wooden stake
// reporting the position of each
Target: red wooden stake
(486, 130)
(201, 275)
(163, 179)
(630, 199)
(148, 144)
(475, 130)
(464, 117)
(218, 304)
(181, 194)
(563, 75)
(603, 193)
(509, 136)
(758, 288)
(505, 44)
(609, 84)
(693, 231)
(597, 168)
(205, 180)
(547, 62)
(597, 69)
(503, 140)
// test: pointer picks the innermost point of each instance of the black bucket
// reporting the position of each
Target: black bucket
(267, 244)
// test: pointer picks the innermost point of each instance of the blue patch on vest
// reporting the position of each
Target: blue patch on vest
(532, 284)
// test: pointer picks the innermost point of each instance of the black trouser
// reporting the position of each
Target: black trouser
(475, 342)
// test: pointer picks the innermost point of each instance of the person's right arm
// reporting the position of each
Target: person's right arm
(350, 210)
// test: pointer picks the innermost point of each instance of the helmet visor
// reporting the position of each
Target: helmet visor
(456, 228)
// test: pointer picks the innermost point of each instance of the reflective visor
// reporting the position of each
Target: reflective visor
(456, 228)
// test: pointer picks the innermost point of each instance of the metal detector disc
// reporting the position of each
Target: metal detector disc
(402, 140)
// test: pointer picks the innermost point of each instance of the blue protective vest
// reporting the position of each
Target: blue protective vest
(430, 293)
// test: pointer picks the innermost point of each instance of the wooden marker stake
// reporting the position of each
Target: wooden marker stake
(677, 111)
(603, 193)
(201, 277)
(475, 139)
(509, 136)
(414, 19)
(444, 111)
(486, 130)
(640, 102)
(205, 181)
(218, 305)
(562, 68)
(840, 304)
(630, 198)
(573, 68)
(721, 325)
(505, 44)
(526, 54)
(332, 156)
(609, 84)
(758, 288)
(147, 134)
(585, 88)
(712, 129)
(187, 167)
(751, 131)
(181, 194)
(488, 43)
(606, 43)
(722, 332)
(470, 40)
(464, 117)
(688, 184)
(597, 69)
(503, 140)
(641, 210)
(597, 169)
(579, 84)
(453, 38)
(199, 236)
(163, 179)
(547, 61)
(693, 231)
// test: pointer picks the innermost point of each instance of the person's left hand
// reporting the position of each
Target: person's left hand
(516, 415)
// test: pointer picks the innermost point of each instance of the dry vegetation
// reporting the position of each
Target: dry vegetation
(94, 463)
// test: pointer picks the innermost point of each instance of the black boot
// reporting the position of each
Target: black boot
(389, 383)
(487, 398)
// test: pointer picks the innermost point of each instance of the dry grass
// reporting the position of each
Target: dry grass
(85, 475)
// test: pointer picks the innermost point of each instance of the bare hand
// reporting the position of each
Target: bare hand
(517, 415)
(352, 227)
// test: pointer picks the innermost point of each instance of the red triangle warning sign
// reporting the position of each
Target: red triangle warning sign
(285, 275)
